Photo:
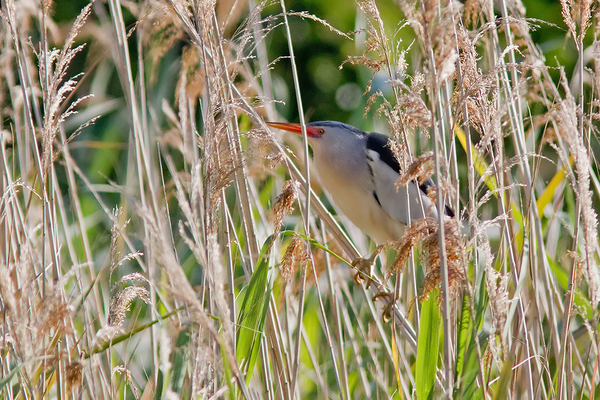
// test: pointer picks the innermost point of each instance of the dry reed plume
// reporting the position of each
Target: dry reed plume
(140, 255)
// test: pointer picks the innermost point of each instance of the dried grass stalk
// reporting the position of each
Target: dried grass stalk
(295, 255)
(419, 170)
(284, 203)
(567, 114)
(425, 232)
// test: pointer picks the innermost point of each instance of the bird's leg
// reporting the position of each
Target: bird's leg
(388, 309)
(364, 267)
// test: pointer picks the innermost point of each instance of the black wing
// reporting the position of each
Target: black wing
(379, 143)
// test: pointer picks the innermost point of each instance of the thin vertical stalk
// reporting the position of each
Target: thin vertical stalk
(306, 210)
(438, 156)
(338, 326)
(344, 391)
(448, 357)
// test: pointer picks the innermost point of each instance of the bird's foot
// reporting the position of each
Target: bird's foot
(364, 268)
(388, 309)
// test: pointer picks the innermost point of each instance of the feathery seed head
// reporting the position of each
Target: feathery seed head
(284, 203)
(425, 231)
(294, 255)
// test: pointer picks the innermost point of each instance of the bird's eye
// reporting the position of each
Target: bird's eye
(321, 131)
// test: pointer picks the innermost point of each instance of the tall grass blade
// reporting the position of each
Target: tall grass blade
(252, 316)
(428, 347)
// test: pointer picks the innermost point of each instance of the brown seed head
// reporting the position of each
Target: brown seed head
(420, 170)
(412, 235)
(294, 255)
(74, 374)
(122, 300)
(284, 203)
(425, 231)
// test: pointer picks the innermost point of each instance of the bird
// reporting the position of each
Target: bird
(359, 170)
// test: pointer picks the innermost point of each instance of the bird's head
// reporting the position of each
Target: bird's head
(320, 130)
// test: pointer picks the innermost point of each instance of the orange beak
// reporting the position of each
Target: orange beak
(311, 131)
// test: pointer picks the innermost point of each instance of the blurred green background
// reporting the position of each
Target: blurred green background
(333, 94)
(328, 92)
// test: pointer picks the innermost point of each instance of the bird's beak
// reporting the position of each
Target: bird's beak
(311, 131)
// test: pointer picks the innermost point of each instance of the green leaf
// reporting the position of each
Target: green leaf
(160, 383)
(580, 299)
(550, 190)
(251, 320)
(6, 379)
(428, 347)
(181, 357)
(465, 328)
(467, 361)
(478, 162)
(504, 382)
(231, 393)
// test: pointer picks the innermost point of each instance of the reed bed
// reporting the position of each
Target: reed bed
(159, 241)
